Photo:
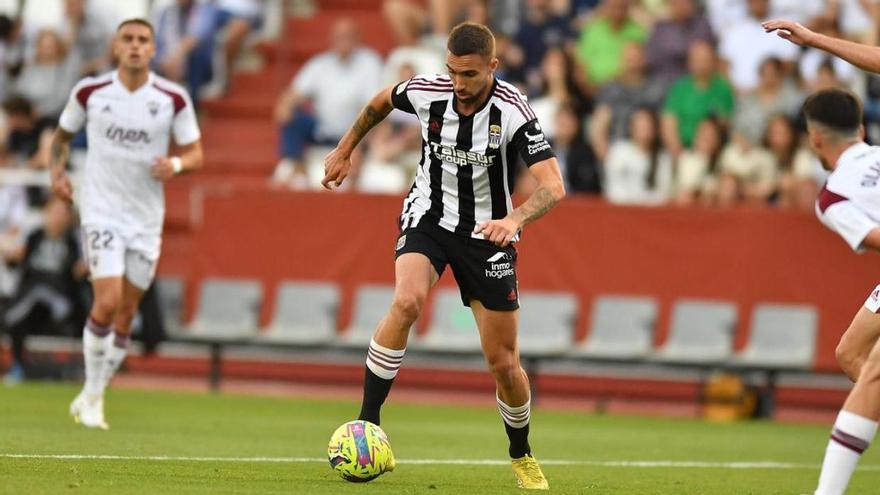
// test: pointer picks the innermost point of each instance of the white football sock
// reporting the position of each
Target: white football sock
(850, 437)
(384, 362)
(95, 340)
(515, 417)
(115, 352)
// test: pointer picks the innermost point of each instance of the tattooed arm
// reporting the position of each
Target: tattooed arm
(59, 152)
(338, 162)
(550, 190)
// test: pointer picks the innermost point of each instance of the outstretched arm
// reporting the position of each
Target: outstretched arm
(338, 163)
(862, 56)
(550, 191)
(59, 152)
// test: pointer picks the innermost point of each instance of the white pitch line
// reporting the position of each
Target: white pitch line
(445, 462)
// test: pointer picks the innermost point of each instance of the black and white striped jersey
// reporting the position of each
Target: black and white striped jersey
(467, 169)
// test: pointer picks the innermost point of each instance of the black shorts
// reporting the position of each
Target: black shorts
(483, 271)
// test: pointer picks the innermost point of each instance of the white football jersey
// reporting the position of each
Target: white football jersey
(126, 132)
(849, 204)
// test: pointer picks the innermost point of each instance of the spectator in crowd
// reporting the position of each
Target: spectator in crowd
(810, 13)
(697, 166)
(336, 84)
(393, 152)
(602, 40)
(667, 47)
(48, 78)
(13, 220)
(748, 173)
(724, 14)
(557, 90)
(775, 94)
(10, 53)
(411, 51)
(539, 31)
(701, 94)
(745, 46)
(799, 168)
(238, 18)
(637, 170)
(28, 136)
(51, 265)
(441, 15)
(618, 100)
(857, 19)
(185, 40)
(819, 70)
(577, 161)
(88, 32)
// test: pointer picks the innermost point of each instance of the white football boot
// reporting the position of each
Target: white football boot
(89, 411)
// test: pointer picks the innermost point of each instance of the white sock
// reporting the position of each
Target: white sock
(515, 417)
(95, 340)
(115, 352)
(850, 437)
(384, 362)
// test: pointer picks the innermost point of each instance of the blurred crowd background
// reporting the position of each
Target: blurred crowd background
(647, 102)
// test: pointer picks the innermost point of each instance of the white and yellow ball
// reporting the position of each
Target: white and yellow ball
(359, 451)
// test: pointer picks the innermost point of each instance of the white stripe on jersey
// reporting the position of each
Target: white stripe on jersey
(464, 178)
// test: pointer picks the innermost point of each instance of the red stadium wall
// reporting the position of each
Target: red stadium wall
(584, 246)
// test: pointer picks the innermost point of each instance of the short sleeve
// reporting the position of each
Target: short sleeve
(531, 144)
(400, 97)
(73, 117)
(848, 220)
(185, 126)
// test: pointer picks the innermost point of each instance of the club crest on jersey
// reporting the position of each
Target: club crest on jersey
(494, 136)
(153, 107)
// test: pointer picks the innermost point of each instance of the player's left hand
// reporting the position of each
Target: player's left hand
(790, 30)
(500, 232)
(162, 168)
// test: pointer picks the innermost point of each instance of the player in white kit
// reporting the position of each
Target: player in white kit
(131, 116)
(849, 204)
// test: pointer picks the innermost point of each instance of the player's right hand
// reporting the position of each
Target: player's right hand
(789, 30)
(62, 187)
(336, 167)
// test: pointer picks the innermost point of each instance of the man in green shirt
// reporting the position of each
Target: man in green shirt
(601, 43)
(701, 94)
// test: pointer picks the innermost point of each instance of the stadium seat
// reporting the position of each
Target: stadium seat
(228, 310)
(783, 336)
(371, 302)
(702, 333)
(170, 291)
(621, 327)
(452, 328)
(546, 323)
(305, 314)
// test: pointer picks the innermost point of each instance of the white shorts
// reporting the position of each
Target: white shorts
(873, 302)
(113, 253)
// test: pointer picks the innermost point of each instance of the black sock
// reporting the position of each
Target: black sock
(375, 391)
(519, 441)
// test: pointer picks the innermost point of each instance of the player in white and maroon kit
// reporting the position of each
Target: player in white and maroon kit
(849, 204)
(130, 116)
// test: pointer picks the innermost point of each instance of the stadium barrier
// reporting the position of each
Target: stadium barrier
(585, 247)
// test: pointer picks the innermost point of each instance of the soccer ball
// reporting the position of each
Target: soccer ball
(359, 451)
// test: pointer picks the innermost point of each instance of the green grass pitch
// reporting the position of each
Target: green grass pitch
(186, 426)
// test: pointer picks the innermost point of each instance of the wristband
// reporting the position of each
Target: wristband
(176, 164)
